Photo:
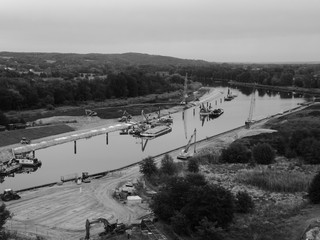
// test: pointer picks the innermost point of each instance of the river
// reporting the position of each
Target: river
(94, 155)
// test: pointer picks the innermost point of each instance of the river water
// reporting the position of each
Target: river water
(94, 155)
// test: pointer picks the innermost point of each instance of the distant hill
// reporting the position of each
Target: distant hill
(125, 59)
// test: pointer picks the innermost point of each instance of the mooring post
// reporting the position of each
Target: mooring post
(107, 138)
(183, 115)
(75, 147)
(194, 111)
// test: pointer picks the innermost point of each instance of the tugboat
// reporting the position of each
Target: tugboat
(216, 113)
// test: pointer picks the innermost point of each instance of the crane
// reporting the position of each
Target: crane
(185, 88)
(184, 155)
(252, 103)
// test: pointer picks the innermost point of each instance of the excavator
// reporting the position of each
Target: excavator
(184, 155)
(108, 227)
(9, 195)
(125, 117)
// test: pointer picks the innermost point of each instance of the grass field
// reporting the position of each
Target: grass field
(14, 136)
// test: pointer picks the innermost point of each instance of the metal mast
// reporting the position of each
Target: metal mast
(252, 104)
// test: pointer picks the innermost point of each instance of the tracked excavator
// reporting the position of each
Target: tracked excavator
(184, 155)
(9, 195)
(108, 227)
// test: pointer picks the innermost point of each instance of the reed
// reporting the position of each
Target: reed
(275, 181)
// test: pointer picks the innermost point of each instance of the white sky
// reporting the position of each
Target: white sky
(212, 30)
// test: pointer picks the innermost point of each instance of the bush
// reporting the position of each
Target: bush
(309, 149)
(168, 167)
(4, 216)
(263, 153)
(193, 165)
(148, 167)
(314, 189)
(244, 202)
(180, 224)
(235, 153)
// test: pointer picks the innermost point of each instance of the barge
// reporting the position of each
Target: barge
(156, 131)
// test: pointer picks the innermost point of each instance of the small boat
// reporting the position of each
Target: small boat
(156, 131)
(216, 112)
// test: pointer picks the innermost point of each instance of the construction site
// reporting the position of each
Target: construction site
(112, 204)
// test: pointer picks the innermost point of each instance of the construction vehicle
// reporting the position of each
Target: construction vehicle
(109, 228)
(90, 113)
(25, 141)
(125, 117)
(184, 155)
(9, 195)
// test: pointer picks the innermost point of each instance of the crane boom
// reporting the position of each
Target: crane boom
(184, 153)
(189, 142)
(252, 104)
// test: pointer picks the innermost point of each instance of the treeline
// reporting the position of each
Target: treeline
(307, 76)
(26, 93)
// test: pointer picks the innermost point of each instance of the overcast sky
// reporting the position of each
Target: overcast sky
(212, 30)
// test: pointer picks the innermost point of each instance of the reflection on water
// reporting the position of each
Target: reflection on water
(95, 155)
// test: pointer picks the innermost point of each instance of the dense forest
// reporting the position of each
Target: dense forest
(37, 80)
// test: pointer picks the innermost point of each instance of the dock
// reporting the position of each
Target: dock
(7, 170)
(69, 138)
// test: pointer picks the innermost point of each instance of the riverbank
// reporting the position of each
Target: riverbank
(293, 89)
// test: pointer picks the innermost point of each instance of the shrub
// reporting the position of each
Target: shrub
(263, 153)
(4, 216)
(314, 189)
(275, 181)
(309, 149)
(193, 165)
(244, 202)
(210, 201)
(235, 153)
(148, 167)
(180, 224)
(168, 167)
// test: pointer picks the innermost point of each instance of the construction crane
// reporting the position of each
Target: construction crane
(252, 104)
(109, 228)
(185, 91)
(184, 155)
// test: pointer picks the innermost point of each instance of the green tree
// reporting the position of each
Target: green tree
(193, 165)
(244, 202)
(148, 167)
(209, 230)
(180, 224)
(210, 201)
(4, 216)
(263, 153)
(3, 119)
(196, 179)
(314, 189)
(168, 167)
(235, 153)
